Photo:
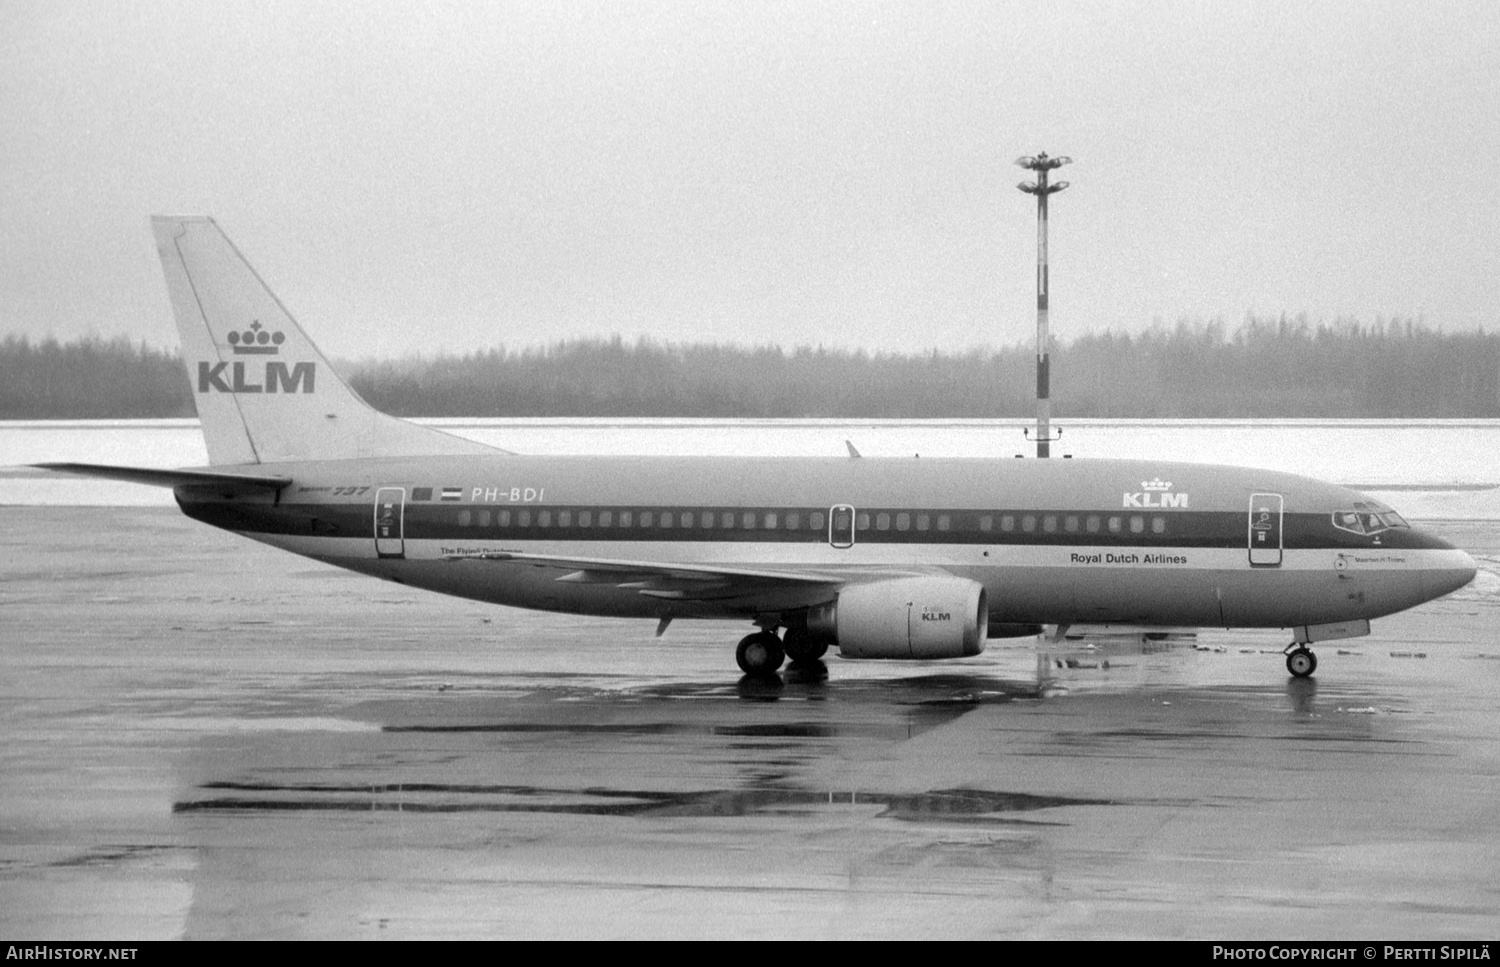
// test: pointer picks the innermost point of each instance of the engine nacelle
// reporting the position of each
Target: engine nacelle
(918, 617)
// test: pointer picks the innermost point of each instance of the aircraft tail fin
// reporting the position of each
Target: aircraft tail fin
(264, 392)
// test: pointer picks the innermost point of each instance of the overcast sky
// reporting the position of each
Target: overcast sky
(447, 176)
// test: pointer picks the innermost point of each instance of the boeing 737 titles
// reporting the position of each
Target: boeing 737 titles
(881, 558)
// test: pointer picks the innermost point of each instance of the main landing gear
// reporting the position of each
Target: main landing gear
(763, 652)
(1300, 661)
(760, 653)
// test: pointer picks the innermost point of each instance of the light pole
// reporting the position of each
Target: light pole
(1042, 164)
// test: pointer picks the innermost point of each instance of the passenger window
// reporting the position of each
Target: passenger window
(647, 518)
(793, 521)
(625, 516)
(666, 520)
(944, 522)
(564, 518)
(816, 521)
(1070, 523)
(903, 522)
(544, 518)
(585, 518)
(1137, 524)
(726, 520)
(606, 517)
(524, 517)
(503, 518)
(1092, 524)
(987, 523)
(862, 521)
(747, 520)
(1028, 523)
(922, 522)
(1049, 524)
(484, 518)
(1158, 525)
(770, 521)
(882, 522)
(463, 518)
(687, 518)
(1008, 523)
(708, 519)
(1116, 524)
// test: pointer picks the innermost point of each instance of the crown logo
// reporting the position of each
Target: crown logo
(256, 341)
(1157, 484)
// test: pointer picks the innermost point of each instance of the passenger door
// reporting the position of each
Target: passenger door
(1264, 533)
(841, 526)
(390, 514)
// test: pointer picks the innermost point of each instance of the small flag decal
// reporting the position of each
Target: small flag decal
(453, 493)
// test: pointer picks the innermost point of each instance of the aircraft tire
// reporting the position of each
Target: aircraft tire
(801, 649)
(1301, 663)
(759, 654)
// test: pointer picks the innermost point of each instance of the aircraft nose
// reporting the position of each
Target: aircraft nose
(1448, 569)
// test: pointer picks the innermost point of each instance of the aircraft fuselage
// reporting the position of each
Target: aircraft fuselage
(1052, 542)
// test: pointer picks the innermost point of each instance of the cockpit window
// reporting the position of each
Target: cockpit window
(1367, 522)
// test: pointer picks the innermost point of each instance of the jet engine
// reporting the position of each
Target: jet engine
(918, 617)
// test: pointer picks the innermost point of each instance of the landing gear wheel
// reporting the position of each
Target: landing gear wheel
(800, 647)
(1301, 662)
(759, 654)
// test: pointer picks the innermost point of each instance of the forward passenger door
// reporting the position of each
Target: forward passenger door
(1264, 533)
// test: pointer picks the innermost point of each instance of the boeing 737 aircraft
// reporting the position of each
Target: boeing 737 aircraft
(882, 558)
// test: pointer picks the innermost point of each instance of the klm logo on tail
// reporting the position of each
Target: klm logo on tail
(274, 377)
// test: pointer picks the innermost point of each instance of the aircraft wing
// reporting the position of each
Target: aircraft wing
(230, 482)
(682, 582)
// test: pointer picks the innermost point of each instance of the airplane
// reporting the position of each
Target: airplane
(883, 558)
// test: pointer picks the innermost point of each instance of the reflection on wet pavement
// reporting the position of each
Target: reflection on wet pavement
(940, 805)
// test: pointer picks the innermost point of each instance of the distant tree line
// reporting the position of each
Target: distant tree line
(90, 378)
(1283, 367)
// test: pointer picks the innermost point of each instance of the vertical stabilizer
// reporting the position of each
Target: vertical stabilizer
(264, 392)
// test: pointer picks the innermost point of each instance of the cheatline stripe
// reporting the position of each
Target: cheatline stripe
(1225, 529)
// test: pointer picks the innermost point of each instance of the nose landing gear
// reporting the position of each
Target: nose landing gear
(1300, 661)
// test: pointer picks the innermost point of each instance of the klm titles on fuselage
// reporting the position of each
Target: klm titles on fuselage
(273, 377)
(1155, 495)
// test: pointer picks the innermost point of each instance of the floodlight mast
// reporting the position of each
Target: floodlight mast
(1042, 164)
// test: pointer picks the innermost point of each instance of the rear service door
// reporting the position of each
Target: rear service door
(390, 511)
(1264, 533)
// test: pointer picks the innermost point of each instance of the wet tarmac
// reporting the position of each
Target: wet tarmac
(205, 738)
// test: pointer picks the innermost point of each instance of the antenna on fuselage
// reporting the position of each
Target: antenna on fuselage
(1042, 164)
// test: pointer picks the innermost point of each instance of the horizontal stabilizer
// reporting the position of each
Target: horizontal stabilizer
(237, 482)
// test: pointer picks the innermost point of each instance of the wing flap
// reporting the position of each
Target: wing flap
(666, 581)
